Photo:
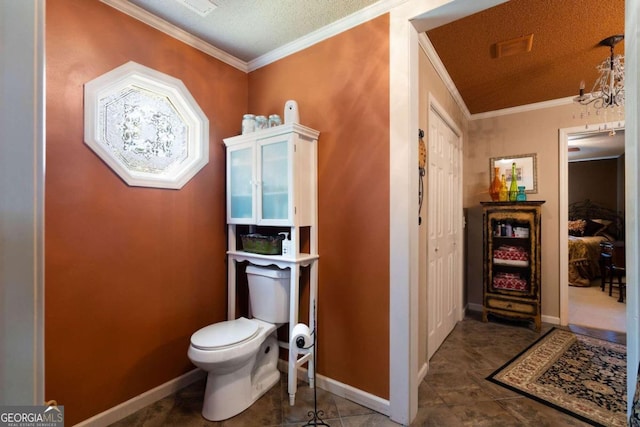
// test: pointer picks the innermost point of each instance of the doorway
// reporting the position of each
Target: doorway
(584, 154)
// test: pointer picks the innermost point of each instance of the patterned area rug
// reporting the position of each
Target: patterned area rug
(579, 375)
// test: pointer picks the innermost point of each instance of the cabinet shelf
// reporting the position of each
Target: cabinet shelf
(520, 264)
(300, 258)
(512, 286)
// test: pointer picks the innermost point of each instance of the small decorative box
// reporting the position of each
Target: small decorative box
(509, 281)
(520, 232)
(511, 255)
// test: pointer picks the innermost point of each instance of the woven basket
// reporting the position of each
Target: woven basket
(259, 244)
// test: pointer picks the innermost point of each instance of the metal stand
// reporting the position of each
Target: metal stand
(314, 415)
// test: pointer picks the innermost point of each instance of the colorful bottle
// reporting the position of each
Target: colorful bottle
(504, 192)
(522, 196)
(494, 188)
(513, 189)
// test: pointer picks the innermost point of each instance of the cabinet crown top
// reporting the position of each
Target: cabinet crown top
(274, 131)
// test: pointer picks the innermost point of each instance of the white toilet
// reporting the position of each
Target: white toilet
(241, 355)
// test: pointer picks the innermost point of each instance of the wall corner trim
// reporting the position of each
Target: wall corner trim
(136, 403)
(432, 55)
(345, 391)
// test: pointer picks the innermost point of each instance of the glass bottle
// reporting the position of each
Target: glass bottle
(494, 188)
(513, 189)
(274, 120)
(261, 122)
(248, 123)
(522, 196)
(504, 192)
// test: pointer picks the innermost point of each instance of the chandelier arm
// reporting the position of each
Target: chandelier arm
(608, 89)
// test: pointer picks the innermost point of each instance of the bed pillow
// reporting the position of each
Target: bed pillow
(593, 227)
(576, 227)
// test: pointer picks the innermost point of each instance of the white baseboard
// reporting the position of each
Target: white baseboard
(147, 398)
(554, 320)
(423, 372)
(134, 404)
(343, 390)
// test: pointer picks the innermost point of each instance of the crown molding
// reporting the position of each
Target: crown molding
(328, 31)
(317, 36)
(161, 25)
(524, 108)
(433, 57)
(310, 39)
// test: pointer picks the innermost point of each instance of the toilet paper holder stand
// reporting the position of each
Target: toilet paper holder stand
(315, 415)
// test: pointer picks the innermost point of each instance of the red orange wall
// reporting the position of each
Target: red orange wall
(342, 89)
(130, 272)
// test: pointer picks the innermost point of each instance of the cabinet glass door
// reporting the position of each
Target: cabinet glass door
(275, 181)
(241, 185)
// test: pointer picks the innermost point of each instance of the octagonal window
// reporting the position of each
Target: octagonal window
(146, 126)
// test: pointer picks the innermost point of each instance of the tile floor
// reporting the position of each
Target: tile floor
(454, 392)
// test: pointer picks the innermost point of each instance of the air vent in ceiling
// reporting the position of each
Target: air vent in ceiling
(201, 7)
(514, 46)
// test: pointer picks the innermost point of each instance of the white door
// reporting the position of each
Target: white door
(444, 231)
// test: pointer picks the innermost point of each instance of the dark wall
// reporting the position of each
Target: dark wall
(596, 180)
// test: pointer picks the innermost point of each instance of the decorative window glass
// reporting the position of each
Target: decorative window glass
(146, 126)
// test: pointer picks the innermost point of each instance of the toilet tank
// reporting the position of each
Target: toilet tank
(269, 293)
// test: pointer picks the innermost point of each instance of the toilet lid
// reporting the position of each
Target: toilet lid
(224, 334)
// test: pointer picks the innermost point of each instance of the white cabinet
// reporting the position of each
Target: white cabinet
(271, 177)
(272, 182)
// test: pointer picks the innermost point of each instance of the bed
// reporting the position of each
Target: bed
(590, 224)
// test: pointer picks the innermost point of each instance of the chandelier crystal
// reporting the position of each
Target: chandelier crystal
(607, 93)
(608, 89)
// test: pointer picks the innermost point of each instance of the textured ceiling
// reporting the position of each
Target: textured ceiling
(565, 50)
(248, 29)
(565, 47)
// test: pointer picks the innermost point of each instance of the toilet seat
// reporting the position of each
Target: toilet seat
(225, 334)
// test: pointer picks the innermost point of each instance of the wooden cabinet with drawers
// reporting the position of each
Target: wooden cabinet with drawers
(512, 261)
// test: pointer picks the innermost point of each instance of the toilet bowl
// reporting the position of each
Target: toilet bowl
(241, 355)
(241, 358)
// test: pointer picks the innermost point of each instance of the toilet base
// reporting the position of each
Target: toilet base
(228, 395)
